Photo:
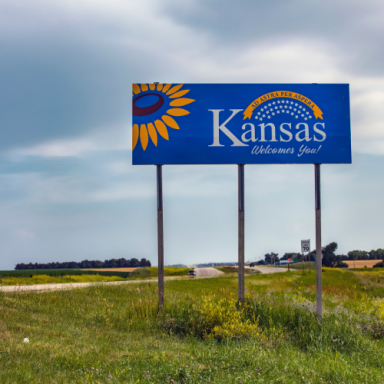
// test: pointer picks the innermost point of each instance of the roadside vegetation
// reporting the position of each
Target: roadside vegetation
(28, 277)
(373, 258)
(60, 272)
(44, 279)
(114, 334)
(235, 270)
(298, 265)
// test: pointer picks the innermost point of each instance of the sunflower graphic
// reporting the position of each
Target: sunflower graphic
(154, 107)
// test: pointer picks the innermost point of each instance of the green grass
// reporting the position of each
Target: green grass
(232, 270)
(297, 266)
(45, 276)
(368, 270)
(116, 330)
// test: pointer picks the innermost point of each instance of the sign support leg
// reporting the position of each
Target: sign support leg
(160, 236)
(319, 256)
(241, 232)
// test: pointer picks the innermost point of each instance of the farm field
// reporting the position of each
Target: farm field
(361, 263)
(41, 276)
(46, 279)
(113, 334)
(111, 269)
(59, 272)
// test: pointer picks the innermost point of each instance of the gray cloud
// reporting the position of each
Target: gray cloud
(352, 29)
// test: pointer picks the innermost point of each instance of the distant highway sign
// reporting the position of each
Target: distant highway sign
(305, 246)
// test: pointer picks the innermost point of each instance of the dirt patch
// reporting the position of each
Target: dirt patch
(361, 263)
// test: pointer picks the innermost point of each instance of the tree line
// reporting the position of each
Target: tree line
(330, 259)
(113, 263)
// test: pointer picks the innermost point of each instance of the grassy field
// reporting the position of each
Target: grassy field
(61, 272)
(113, 334)
(298, 266)
(235, 270)
(54, 276)
(111, 269)
(44, 279)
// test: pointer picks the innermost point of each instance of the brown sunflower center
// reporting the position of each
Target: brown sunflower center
(144, 111)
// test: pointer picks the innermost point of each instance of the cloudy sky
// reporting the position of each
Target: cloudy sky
(68, 190)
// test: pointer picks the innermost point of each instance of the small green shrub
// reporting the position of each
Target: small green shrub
(379, 265)
(212, 318)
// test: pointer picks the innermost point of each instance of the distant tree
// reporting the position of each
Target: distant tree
(341, 264)
(358, 255)
(113, 263)
(379, 265)
(121, 263)
(73, 264)
(377, 254)
(134, 263)
(310, 256)
(271, 257)
(329, 257)
(290, 255)
(143, 262)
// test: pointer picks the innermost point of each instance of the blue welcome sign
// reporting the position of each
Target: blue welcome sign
(241, 124)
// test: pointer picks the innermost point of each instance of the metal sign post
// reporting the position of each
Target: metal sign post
(160, 236)
(240, 124)
(319, 261)
(241, 233)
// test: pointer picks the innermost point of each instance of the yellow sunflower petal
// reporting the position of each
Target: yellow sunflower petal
(152, 133)
(135, 135)
(143, 136)
(179, 94)
(180, 102)
(170, 122)
(144, 87)
(162, 129)
(177, 112)
(159, 87)
(166, 87)
(135, 89)
(152, 87)
(174, 89)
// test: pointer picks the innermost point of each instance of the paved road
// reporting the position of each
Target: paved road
(208, 272)
(268, 269)
(64, 286)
